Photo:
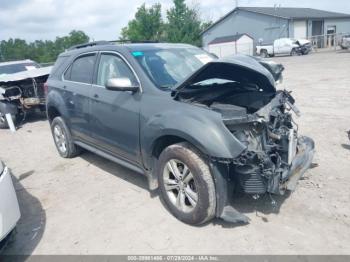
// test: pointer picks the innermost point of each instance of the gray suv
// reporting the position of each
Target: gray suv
(199, 128)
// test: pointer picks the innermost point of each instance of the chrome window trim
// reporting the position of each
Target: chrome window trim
(128, 64)
(65, 70)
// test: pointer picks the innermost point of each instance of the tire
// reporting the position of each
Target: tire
(196, 189)
(293, 52)
(3, 121)
(63, 139)
(264, 54)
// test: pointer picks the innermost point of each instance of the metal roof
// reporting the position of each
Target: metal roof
(294, 12)
(285, 12)
(225, 39)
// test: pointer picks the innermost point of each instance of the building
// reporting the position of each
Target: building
(231, 45)
(265, 24)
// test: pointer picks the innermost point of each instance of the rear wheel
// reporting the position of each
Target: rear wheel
(264, 54)
(186, 184)
(63, 139)
(293, 52)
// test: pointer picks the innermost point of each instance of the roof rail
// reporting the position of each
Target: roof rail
(127, 41)
(89, 44)
(122, 41)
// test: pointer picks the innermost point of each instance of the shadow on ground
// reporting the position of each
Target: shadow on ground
(242, 203)
(31, 225)
(116, 170)
(346, 146)
(31, 117)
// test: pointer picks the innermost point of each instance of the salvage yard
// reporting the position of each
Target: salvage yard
(89, 205)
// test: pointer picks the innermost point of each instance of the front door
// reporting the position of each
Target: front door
(115, 114)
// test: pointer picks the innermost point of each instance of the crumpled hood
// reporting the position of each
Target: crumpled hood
(26, 74)
(230, 68)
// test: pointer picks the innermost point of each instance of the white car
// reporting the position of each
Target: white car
(285, 46)
(9, 208)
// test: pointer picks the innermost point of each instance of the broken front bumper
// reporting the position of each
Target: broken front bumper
(301, 162)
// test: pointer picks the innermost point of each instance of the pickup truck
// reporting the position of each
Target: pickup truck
(284, 46)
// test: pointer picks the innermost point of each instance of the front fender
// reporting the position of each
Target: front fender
(201, 127)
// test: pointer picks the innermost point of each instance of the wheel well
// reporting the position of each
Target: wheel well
(163, 142)
(52, 112)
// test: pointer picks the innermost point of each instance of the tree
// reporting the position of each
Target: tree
(184, 24)
(40, 51)
(147, 24)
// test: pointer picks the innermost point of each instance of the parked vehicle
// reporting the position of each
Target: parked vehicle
(21, 89)
(345, 42)
(197, 127)
(9, 208)
(285, 46)
(12, 67)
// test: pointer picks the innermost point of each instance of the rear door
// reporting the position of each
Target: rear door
(77, 81)
(115, 114)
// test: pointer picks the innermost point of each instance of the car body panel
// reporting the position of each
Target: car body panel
(9, 208)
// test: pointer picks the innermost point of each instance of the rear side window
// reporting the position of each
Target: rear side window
(82, 69)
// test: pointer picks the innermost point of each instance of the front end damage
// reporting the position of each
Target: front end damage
(261, 118)
(23, 91)
(275, 157)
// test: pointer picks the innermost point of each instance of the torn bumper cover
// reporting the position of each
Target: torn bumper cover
(301, 162)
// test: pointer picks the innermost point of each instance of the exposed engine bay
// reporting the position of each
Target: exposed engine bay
(22, 92)
(261, 118)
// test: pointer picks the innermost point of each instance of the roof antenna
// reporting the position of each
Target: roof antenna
(236, 3)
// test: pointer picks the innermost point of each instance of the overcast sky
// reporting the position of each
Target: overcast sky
(103, 19)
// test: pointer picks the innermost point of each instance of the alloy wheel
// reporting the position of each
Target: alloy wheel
(60, 139)
(180, 185)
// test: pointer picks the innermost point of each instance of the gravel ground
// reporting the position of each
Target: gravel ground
(89, 205)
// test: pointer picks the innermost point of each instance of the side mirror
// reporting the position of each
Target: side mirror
(121, 84)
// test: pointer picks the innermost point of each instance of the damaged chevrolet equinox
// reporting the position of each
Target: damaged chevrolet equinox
(198, 127)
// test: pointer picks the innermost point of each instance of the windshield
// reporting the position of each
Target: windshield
(15, 68)
(167, 67)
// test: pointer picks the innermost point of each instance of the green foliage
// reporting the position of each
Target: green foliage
(40, 51)
(183, 24)
(147, 24)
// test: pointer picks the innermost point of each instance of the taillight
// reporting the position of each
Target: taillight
(46, 88)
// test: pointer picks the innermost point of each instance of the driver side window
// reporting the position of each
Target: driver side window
(112, 66)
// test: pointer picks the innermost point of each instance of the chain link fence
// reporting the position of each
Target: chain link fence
(330, 41)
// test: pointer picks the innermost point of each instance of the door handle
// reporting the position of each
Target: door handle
(64, 87)
(96, 96)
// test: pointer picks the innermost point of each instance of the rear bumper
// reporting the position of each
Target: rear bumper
(9, 208)
(301, 162)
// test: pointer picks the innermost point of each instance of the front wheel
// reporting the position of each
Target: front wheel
(186, 184)
(264, 54)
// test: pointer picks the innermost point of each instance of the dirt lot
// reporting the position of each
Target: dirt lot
(89, 205)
